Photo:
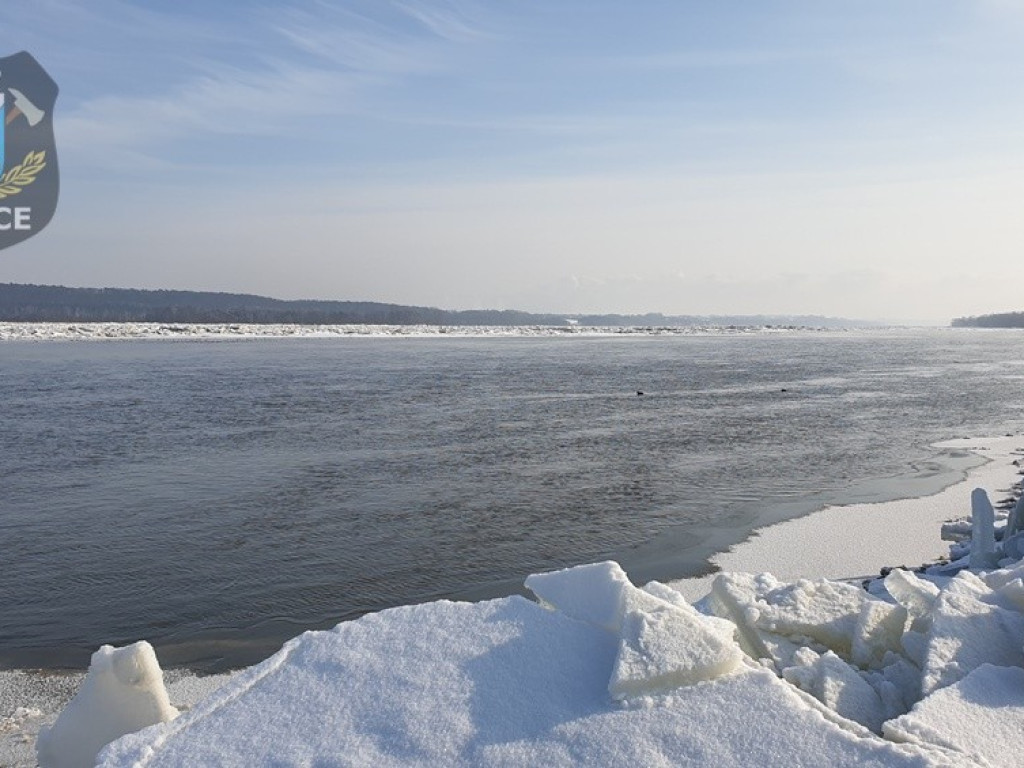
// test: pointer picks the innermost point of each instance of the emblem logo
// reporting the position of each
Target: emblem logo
(29, 183)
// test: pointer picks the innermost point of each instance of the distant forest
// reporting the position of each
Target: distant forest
(1002, 320)
(48, 303)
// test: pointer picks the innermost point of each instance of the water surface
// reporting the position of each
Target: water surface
(217, 497)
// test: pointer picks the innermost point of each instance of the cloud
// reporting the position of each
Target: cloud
(130, 134)
(298, 67)
(346, 40)
(455, 22)
(712, 59)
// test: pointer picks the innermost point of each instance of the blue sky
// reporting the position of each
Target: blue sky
(853, 159)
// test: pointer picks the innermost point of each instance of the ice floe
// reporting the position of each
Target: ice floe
(100, 331)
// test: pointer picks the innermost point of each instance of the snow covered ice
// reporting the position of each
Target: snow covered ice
(920, 669)
(10, 331)
(981, 716)
(505, 682)
(663, 644)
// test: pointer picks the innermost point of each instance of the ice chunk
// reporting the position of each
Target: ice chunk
(773, 617)
(598, 593)
(668, 648)
(1015, 520)
(967, 633)
(838, 686)
(981, 716)
(123, 692)
(905, 676)
(913, 593)
(780, 649)
(1013, 593)
(879, 630)
(733, 597)
(956, 530)
(898, 685)
(968, 584)
(666, 593)
(915, 646)
(676, 598)
(1013, 546)
(983, 534)
(826, 611)
(803, 671)
(1002, 577)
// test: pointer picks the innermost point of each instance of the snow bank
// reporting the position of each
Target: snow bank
(505, 682)
(919, 669)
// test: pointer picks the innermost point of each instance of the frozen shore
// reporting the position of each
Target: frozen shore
(851, 540)
(508, 682)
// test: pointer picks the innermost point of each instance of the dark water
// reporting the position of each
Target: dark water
(219, 497)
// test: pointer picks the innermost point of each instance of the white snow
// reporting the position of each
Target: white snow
(669, 647)
(966, 633)
(981, 716)
(857, 539)
(918, 670)
(123, 692)
(504, 682)
(837, 685)
(916, 595)
(112, 331)
(877, 633)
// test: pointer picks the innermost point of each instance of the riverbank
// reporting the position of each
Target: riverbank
(856, 540)
(843, 541)
(918, 670)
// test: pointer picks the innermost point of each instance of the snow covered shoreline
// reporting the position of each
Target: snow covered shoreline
(917, 671)
(856, 540)
(509, 682)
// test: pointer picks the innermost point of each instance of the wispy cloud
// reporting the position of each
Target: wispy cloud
(710, 59)
(456, 22)
(349, 40)
(115, 132)
(279, 72)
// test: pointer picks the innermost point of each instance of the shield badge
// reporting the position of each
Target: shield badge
(29, 182)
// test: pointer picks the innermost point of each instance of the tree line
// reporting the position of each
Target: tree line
(47, 303)
(51, 303)
(998, 320)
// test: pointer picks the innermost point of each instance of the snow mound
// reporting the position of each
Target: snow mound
(504, 682)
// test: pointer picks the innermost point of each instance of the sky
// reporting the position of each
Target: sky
(860, 160)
